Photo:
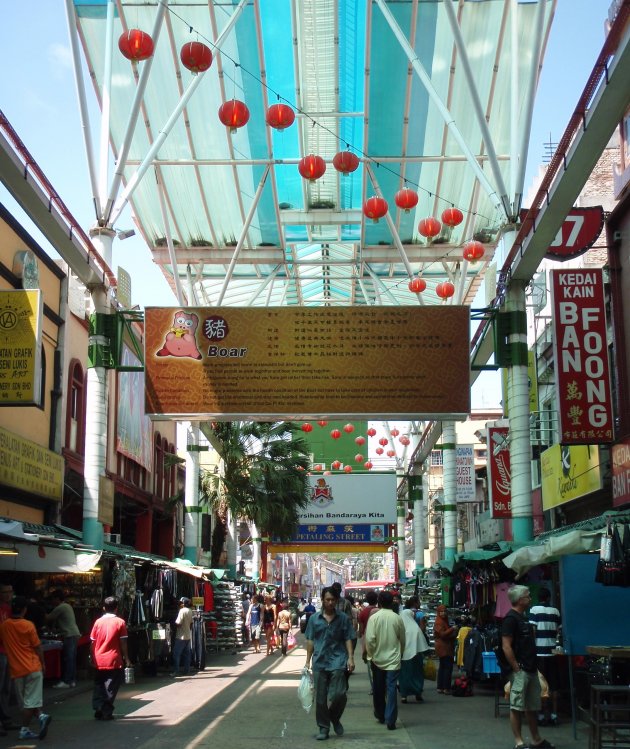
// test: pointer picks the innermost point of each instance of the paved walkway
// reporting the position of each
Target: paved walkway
(244, 701)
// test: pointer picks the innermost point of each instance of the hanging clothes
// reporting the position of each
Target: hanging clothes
(157, 604)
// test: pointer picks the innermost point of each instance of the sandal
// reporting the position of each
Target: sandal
(544, 744)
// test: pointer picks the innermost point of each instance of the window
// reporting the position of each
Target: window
(75, 410)
(436, 458)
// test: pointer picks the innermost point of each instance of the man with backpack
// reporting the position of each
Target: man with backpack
(519, 649)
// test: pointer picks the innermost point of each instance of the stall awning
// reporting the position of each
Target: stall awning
(486, 553)
(41, 558)
(187, 569)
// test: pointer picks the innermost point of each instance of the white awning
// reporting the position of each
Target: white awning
(572, 542)
(40, 558)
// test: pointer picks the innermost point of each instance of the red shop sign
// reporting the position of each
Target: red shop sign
(579, 231)
(621, 473)
(581, 356)
(500, 479)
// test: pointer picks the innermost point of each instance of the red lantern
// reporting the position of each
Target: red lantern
(312, 167)
(349, 428)
(429, 227)
(280, 116)
(395, 432)
(335, 434)
(375, 208)
(359, 440)
(406, 199)
(317, 467)
(234, 114)
(391, 453)
(346, 162)
(371, 432)
(417, 285)
(322, 423)
(135, 45)
(473, 251)
(445, 289)
(358, 458)
(368, 464)
(347, 469)
(379, 451)
(383, 441)
(335, 465)
(404, 440)
(196, 57)
(307, 427)
(452, 216)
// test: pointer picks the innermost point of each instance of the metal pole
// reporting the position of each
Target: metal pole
(169, 243)
(106, 108)
(191, 508)
(449, 469)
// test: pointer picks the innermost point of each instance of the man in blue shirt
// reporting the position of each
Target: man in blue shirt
(329, 647)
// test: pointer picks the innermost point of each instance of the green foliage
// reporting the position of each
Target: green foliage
(263, 476)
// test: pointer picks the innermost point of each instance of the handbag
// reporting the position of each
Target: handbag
(291, 641)
(305, 690)
(430, 669)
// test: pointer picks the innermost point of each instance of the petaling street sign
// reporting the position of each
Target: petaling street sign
(581, 356)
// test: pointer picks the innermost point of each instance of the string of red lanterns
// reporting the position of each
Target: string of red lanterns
(312, 167)
(136, 45)
(234, 114)
(196, 57)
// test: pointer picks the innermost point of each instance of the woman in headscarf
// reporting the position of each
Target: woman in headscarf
(444, 635)
(411, 678)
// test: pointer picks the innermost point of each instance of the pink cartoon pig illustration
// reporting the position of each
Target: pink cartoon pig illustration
(180, 340)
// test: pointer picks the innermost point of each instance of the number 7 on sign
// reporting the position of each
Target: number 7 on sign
(578, 222)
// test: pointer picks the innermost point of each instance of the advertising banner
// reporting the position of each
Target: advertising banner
(569, 472)
(20, 347)
(499, 476)
(346, 499)
(581, 356)
(621, 473)
(300, 363)
(30, 467)
(134, 434)
(465, 462)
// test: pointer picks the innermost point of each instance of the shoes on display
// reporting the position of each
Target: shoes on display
(44, 722)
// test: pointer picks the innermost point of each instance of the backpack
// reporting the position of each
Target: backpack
(462, 687)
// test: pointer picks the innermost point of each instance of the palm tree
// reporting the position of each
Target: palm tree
(263, 478)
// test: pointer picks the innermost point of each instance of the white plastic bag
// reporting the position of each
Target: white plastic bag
(305, 690)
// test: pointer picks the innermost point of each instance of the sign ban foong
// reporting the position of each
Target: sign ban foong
(367, 499)
(300, 362)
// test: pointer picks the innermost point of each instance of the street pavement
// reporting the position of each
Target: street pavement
(244, 700)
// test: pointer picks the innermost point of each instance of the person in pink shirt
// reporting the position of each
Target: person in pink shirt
(109, 657)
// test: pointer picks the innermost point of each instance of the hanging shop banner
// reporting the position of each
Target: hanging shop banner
(304, 363)
(499, 476)
(569, 472)
(621, 473)
(365, 499)
(465, 462)
(30, 467)
(134, 434)
(20, 347)
(340, 534)
(578, 232)
(581, 356)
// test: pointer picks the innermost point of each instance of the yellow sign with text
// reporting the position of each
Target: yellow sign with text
(569, 472)
(20, 349)
(30, 467)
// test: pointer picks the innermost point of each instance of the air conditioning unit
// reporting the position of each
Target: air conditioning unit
(112, 538)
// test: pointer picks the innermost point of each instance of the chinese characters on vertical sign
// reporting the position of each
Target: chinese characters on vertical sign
(581, 355)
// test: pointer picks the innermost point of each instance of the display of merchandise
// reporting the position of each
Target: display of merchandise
(228, 635)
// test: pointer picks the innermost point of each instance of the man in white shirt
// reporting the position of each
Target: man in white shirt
(183, 637)
(546, 619)
(384, 643)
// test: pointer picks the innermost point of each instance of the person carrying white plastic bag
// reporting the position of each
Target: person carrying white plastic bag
(305, 690)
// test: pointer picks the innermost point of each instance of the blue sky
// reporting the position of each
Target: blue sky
(38, 96)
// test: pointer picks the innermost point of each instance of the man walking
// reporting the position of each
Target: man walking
(519, 648)
(62, 617)
(546, 619)
(6, 595)
(183, 637)
(109, 656)
(385, 642)
(371, 600)
(329, 637)
(26, 663)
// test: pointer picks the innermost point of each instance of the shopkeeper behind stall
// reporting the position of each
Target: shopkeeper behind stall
(63, 619)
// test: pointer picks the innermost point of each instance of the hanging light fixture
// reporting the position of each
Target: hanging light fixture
(196, 57)
(347, 469)
(452, 216)
(368, 464)
(306, 427)
(445, 289)
(473, 251)
(383, 441)
(359, 440)
(349, 428)
(417, 285)
(404, 440)
(406, 199)
(358, 458)
(395, 432)
(8, 551)
(379, 451)
(280, 116)
(234, 114)
(371, 432)
(311, 167)
(335, 465)
(346, 162)
(136, 45)
(335, 434)
(391, 453)
(375, 208)
(429, 227)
